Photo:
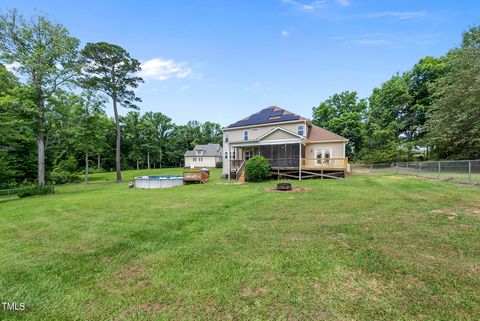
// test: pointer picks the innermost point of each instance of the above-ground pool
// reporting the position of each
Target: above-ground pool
(158, 181)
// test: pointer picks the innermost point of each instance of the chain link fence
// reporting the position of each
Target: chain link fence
(460, 171)
(7, 194)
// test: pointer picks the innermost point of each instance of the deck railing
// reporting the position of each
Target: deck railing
(325, 163)
(307, 163)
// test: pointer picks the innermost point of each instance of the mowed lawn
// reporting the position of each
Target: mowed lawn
(370, 247)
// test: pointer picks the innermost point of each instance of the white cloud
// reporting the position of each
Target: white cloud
(306, 7)
(252, 86)
(402, 15)
(285, 33)
(11, 67)
(183, 88)
(344, 3)
(161, 69)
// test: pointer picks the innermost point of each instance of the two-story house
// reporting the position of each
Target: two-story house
(294, 146)
(209, 155)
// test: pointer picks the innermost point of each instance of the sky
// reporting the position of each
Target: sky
(223, 60)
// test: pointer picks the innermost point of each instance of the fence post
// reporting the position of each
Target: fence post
(470, 171)
(439, 170)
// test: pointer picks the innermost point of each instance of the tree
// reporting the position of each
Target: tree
(17, 143)
(454, 129)
(211, 133)
(420, 80)
(46, 56)
(89, 119)
(109, 69)
(133, 136)
(343, 114)
(157, 130)
(385, 127)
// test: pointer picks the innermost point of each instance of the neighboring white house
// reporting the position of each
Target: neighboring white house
(209, 155)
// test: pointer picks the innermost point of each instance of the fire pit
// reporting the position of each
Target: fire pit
(284, 187)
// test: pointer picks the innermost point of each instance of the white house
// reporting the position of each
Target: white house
(209, 155)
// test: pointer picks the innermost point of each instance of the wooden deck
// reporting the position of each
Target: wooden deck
(310, 168)
(195, 176)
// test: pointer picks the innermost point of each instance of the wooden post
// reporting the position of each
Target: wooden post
(300, 162)
(228, 162)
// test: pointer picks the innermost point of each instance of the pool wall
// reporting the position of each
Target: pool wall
(158, 181)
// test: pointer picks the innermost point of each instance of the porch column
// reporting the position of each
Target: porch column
(228, 160)
(300, 161)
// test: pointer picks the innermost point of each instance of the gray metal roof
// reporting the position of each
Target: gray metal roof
(209, 150)
(272, 114)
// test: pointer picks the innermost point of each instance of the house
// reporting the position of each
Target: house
(294, 146)
(209, 155)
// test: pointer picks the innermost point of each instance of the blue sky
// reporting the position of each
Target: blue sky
(223, 60)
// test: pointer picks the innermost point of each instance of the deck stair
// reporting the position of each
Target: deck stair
(240, 174)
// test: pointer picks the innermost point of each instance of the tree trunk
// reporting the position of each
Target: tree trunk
(86, 167)
(98, 162)
(148, 159)
(118, 140)
(138, 167)
(41, 143)
(160, 157)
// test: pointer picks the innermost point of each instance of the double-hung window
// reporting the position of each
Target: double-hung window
(245, 135)
(301, 130)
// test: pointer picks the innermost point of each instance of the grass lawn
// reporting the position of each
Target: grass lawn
(371, 247)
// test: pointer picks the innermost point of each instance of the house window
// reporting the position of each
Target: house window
(200, 159)
(194, 159)
(226, 155)
(199, 152)
(301, 130)
(245, 135)
(226, 138)
(322, 156)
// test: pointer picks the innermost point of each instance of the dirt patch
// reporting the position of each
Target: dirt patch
(414, 281)
(294, 190)
(253, 292)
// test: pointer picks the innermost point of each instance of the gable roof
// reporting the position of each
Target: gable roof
(209, 150)
(273, 130)
(272, 114)
(321, 134)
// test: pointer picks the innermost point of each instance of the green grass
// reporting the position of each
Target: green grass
(370, 247)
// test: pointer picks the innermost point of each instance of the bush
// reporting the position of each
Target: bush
(65, 172)
(67, 165)
(257, 169)
(62, 177)
(33, 189)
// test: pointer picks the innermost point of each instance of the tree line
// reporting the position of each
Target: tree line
(52, 109)
(431, 111)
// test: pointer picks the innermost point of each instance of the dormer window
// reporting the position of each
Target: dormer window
(199, 152)
(245, 135)
(301, 130)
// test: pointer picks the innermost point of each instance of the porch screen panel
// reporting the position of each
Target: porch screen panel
(291, 155)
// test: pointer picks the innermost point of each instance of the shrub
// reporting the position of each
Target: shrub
(65, 172)
(62, 177)
(257, 169)
(67, 165)
(33, 189)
